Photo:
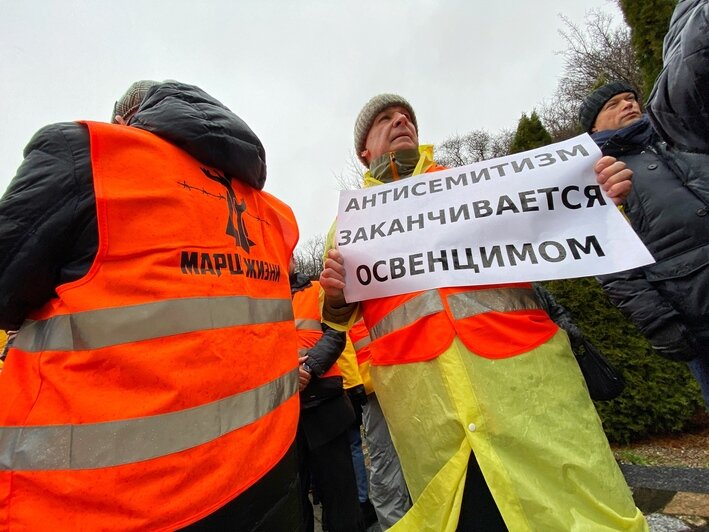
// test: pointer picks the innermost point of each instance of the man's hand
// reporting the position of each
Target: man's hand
(614, 178)
(303, 374)
(332, 279)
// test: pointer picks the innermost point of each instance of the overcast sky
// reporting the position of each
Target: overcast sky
(297, 71)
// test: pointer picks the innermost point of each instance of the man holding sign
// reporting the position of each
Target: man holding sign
(485, 402)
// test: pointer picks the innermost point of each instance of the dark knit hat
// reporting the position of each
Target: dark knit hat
(595, 101)
(369, 112)
(128, 104)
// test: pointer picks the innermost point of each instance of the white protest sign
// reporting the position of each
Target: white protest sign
(531, 216)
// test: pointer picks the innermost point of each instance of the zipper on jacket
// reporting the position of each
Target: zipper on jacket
(393, 167)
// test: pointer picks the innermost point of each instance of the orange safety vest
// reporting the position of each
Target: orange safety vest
(359, 336)
(163, 383)
(494, 321)
(306, 308)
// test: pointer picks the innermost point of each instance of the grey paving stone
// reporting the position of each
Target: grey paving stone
(665, 523)
(686, 479)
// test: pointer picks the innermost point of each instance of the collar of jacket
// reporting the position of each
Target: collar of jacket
(630, 139)
(397, 165)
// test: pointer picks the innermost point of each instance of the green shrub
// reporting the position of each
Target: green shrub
(660, 395)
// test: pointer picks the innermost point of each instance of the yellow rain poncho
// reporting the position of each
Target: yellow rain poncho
(528, 419)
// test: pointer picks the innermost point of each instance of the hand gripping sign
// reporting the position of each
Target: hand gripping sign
(531, 216)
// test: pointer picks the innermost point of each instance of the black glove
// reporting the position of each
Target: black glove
(358, 398)
(681, 351)
(576, 337)
(675, 342)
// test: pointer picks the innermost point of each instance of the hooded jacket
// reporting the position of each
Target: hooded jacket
(668, 205)
(48, 213)
(49, 237)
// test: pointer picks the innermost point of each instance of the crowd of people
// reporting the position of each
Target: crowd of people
(141, 392)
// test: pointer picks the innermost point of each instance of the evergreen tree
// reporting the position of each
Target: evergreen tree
(530, 134)
(648, 21)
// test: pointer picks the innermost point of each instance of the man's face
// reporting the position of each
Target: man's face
(391, 130)
(620, 111)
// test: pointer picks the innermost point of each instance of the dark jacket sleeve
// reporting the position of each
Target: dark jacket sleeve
(46, 232)
(645, 307)
(679, 103)
(326, 351)
(559, 315)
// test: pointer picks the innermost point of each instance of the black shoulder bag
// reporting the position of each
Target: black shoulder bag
(604, 382)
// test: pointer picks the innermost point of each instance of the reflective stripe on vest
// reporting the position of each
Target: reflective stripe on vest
(360, 340)
(308, 325)
(359, 336)
(469, 304)
(95, 329)
(362, 343)
(462, 305)
(94, 445)
(424, 304)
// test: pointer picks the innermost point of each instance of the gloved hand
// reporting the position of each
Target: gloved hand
(576, 337)
(675, 342)
(358, 398)
(681, 351)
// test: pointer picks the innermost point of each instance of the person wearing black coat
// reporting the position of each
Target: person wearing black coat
(49, 237)
(49, 231)
(326, 414)
(668, 150)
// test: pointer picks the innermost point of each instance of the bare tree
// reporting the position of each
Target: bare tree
(309, 256)
(477, 145)
(597, 52)
(351, 177)
(451, 152)
(501, 143)
(560, 115)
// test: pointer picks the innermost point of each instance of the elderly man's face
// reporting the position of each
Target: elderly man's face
(620, 111)
(391, 130)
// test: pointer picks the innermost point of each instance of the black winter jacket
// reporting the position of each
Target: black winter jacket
(48, 231)
(49, 236)
(668, 205)
(679, 102)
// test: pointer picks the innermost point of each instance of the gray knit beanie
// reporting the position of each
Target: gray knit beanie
(369, 112)
(595, 101)
(128, 104)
